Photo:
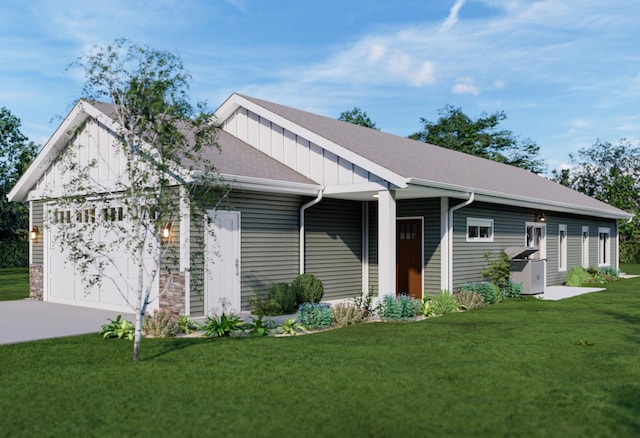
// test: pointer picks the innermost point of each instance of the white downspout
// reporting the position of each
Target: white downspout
(302, 210)
(450, 237)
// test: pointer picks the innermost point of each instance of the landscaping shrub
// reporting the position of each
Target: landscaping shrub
(468, 300)
(512, 290)
(365, 303)
(498, 268)
(281, 300)
(577, 276)
(259, 327)
(161, 324)
(488, 291)
(187, 325)
(444, 303)
(315, 315)
(307, 288)
(399, 308)
(221, 326)
(609, 271)
(118, 328)
(427, 306)
(347, 314)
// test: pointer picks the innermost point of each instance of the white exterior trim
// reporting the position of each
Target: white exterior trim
(444, 243)
(386, 243)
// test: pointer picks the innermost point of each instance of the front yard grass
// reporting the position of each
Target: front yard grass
(529, 368)
(14, 283)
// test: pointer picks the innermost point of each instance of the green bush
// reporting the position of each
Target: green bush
(577, 276)
(609, 271)
(281, 300)
(315, 315)
(221, 326)
(365, 303)
(188, 325)
(14, 254)
(307, 288)
(399, 308)
(347, 314)
(468, 300)
(512, 290)
(498, 268)
(444, 303)
(161, 324)
(488, 291)
(118, 328)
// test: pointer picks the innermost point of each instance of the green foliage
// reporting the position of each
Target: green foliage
(577, 276)
(365, 303)
(118, 328)
(427, 306)
(315, 315)
(444, 303)
(14, 254)
(221, 326)
(482, 137)
(162, 324)
(281, 300)
(468, 300)
(307, 288)
(259, 327)
(291, 327)
(512, 290)
(188, 325)
(488, 291)
(347, 313)
(399, 308)
(609, 271)
(498, 268)
(357, 117)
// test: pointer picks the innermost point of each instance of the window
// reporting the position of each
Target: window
(585, 247)
(536, 237)
(562, 247)
(408, 231)
(479, 230)
(604, 246)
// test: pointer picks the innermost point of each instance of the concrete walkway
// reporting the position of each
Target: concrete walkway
(555, 293)
(27, 320)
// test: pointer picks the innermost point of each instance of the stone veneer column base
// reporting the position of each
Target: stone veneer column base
(36, 282)
(172, 299)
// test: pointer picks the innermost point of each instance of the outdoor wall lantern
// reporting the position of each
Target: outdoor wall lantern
(33, 234)
(540, 217)
(166, 231)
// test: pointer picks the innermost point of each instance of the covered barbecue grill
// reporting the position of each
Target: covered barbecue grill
(525, 270)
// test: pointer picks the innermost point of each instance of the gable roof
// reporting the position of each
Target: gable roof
(426, 165)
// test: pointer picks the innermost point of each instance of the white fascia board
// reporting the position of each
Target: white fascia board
(356, 188)
(235, 101)
(522, 201)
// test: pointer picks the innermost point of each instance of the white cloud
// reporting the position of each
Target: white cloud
(465, 86)
(452, 19)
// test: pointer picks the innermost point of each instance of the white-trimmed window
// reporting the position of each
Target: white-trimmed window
(604, 246)
(479, 230)
(562, 247)
(585, 247)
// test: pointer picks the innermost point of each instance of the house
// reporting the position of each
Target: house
(358, 208)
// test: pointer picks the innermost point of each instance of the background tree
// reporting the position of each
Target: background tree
(16, 153)
(163, 140)
(610, 173)
(357, 117)
(455, 130)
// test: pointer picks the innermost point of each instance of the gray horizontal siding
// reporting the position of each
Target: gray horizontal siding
(333, 245)
(37, 220)
(269, 244)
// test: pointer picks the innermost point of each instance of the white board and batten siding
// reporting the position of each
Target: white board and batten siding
(294, 151)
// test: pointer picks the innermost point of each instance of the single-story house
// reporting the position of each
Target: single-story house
(358, 208)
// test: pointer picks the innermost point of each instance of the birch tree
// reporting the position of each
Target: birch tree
(163, 140)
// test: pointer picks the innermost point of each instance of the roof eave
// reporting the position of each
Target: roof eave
(522, 201)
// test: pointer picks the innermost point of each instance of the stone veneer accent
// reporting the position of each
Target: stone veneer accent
(36, 282)
(172, 299)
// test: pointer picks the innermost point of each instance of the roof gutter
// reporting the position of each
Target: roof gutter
(302, 228)
(450, 238)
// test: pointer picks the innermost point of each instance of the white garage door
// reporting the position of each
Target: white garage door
(64, 280)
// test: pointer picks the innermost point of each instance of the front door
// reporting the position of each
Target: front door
(409, 257)
(222, 282)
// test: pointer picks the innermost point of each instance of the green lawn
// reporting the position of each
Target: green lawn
(524, 368)
(14, 283)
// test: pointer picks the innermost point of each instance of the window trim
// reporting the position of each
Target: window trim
(604, 255)
(478, 223)
(562, 248)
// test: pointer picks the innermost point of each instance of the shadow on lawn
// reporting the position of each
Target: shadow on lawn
(627, 397)
(172, 345)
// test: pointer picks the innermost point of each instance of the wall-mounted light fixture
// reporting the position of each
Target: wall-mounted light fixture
(33, 234)
(540, 217)
(166, 230)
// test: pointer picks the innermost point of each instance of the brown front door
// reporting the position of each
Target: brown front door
(409, 257)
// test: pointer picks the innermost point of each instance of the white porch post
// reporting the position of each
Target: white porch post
(386, 243)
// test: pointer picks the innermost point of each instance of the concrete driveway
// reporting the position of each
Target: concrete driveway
(27, 320)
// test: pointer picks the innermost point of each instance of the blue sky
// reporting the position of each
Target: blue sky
(565, 72)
